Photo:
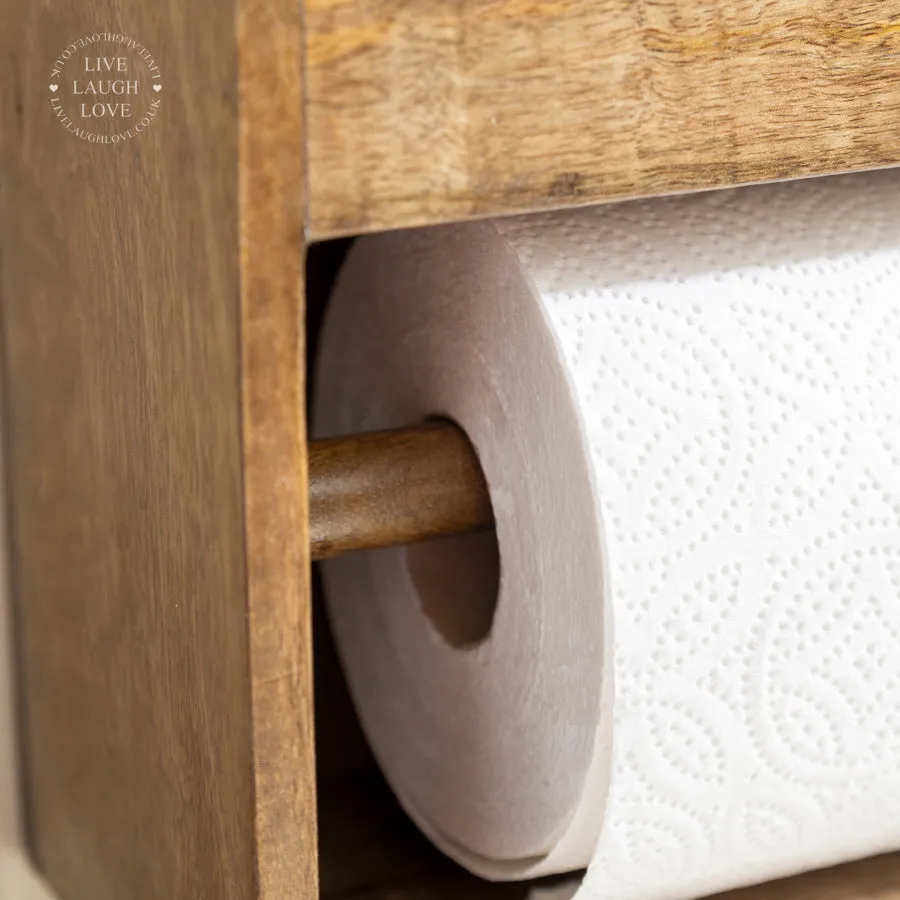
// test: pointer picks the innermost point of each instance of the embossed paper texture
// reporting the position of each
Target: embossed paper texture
(687, 411)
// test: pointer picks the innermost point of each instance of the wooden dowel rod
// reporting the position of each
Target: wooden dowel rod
(394, 487)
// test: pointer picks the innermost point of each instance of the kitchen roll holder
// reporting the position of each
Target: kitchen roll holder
(394, 487)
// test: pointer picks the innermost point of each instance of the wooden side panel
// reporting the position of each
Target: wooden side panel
(151, 300)
(423, 112)
(270, 43)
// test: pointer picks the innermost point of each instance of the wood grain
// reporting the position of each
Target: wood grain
(151, 301)
(394, 487)
(273, 366)
(424, 112)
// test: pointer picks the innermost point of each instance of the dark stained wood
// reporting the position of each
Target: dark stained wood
(421, 111)
(394, 487)
(151, 306)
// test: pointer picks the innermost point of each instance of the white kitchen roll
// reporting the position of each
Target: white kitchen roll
(688, 415)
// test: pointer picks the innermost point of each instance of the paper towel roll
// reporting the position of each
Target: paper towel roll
(688, 414)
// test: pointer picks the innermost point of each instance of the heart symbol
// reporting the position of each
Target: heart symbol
(157, 88)
(54, 88)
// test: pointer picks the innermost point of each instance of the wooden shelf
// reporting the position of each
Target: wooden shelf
(152, 307)
(422, 112)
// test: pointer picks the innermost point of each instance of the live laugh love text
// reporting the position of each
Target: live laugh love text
(108, 98)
